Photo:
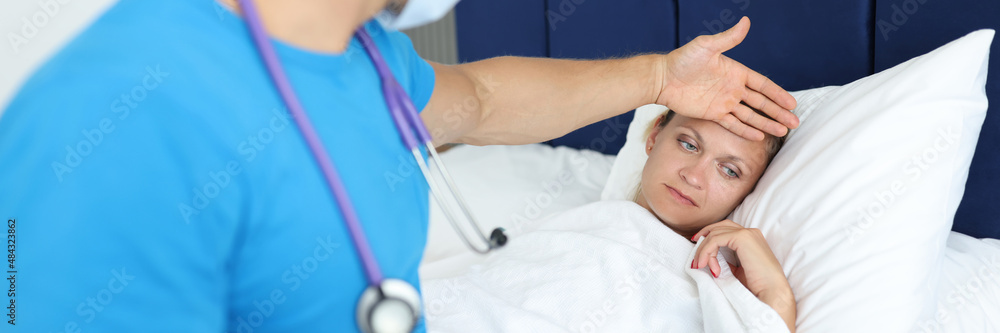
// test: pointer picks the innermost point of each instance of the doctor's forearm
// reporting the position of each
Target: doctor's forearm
(528, 100)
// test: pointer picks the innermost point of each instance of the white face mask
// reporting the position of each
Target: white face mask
(414, 14)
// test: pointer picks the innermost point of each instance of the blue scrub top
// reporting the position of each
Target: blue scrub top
(158, 184)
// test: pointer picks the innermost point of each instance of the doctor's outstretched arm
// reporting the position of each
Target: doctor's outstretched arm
(517, 100)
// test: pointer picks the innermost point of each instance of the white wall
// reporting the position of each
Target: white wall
(50, 23)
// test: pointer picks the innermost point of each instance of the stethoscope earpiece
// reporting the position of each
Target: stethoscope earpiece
(497, 238)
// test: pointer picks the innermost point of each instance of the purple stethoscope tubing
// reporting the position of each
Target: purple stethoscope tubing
(284, 87)
(403, 113)
(405, 118)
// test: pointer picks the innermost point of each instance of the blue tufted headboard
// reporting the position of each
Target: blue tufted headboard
(798, 44)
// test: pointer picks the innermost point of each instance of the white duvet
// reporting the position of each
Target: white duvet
(505, 184)
(609, 266)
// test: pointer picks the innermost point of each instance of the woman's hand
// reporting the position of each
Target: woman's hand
(759, 270)
(700, 82)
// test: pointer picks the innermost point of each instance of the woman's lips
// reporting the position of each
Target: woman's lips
(681, 198)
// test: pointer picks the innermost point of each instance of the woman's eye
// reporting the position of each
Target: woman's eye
(730, 172)
(687, 146)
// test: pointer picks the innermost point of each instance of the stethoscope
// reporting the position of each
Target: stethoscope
(387, 305)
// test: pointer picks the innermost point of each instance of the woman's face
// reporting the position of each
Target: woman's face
(698, 172)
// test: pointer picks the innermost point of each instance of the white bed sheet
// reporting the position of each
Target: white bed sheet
(513, 186)
(969, 290)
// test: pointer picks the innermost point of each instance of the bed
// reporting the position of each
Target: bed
(798, 44)
(529, 183)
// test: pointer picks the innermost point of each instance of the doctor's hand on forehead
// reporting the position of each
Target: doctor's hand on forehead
(700, 82)
(520, 100)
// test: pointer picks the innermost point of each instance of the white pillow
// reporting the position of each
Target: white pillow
(627, 168)
(858, 204)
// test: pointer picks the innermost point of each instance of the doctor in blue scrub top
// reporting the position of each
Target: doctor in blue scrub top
(155, 182)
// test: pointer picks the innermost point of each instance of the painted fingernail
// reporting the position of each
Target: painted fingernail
(713, 273)
(692, 264)
(692, 238)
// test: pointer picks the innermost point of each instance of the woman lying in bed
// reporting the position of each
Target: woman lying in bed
(612, 266)
(696, 175)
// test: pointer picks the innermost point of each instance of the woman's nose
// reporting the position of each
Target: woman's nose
(694, 173)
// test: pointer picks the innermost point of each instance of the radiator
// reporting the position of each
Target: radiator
(436, 41)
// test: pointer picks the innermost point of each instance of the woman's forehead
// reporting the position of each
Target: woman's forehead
(716, 139)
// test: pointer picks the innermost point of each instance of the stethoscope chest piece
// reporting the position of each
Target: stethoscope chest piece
(392, 306)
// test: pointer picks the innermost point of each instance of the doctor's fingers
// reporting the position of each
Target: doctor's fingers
(782, 117)
(735, 125)
(751, 118)
(726, 40)
(761, 84)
